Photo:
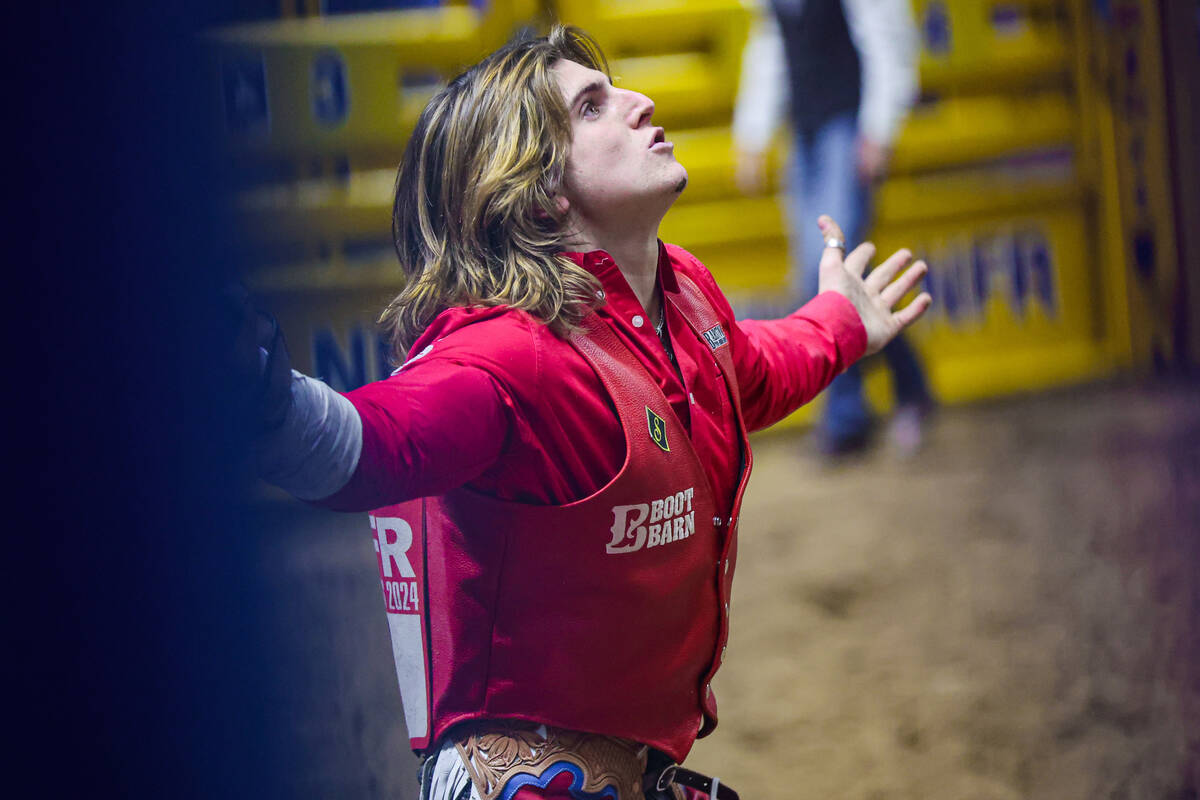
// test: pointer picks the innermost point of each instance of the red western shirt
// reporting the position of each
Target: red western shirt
(519, 415)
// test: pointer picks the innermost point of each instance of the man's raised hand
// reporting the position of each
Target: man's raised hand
(875, 295)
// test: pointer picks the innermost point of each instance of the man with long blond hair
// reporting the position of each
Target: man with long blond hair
(555, 470)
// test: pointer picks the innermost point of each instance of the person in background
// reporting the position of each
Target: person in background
(845, 73)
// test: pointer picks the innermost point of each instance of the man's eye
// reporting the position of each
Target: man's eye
(590, 109)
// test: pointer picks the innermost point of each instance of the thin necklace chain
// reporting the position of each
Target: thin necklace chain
(660, 328)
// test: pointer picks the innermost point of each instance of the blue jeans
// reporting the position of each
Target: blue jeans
(823, 179)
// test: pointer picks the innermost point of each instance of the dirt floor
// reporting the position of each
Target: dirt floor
(1012, 613)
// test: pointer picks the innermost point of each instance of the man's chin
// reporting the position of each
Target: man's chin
(681, 184)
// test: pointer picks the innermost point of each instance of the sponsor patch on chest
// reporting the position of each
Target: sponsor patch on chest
(715, 336)
(653, 524)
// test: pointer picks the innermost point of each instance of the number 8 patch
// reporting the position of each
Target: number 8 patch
(658, 430)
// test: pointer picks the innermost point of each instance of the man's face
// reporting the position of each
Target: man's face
(619, 162)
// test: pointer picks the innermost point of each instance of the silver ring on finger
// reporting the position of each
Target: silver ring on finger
(833, 241)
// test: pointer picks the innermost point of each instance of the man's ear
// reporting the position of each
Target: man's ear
(562, 204)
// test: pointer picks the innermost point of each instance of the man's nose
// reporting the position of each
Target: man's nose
(641, 108)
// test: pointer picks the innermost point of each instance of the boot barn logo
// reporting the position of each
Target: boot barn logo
(652, 524)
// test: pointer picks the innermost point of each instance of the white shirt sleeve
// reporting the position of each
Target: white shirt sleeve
(763, 87)
(315, 451)
(885, 35)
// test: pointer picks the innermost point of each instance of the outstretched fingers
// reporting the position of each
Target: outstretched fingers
(835, 247)
(894, 290)
(835, 243)
(882, 275)
(831, 231)
(859, 257)
(911, 312)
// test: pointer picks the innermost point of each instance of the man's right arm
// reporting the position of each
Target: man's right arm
(315, 448)
(418, 433)
(426, 431)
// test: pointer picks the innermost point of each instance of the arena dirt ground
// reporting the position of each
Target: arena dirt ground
(1012, 613)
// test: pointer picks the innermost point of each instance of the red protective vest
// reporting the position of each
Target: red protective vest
(607, 615)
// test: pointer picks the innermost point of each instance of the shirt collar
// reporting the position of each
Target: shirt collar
(602, 265)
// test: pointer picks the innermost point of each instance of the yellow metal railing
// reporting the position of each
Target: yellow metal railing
(1008, 177)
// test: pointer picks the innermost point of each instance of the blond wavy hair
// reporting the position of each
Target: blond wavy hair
(474, 219)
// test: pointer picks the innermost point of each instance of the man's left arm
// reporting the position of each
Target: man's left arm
(782, 364)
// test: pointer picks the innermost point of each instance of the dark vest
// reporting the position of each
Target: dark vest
(822, 62)
(607, 615)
